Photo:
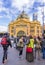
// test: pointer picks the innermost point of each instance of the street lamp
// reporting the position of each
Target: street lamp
(42, 18)
(43, 21)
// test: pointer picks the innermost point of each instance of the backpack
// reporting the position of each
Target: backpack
(4, 41)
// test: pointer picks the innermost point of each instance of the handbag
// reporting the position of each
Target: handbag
(29, 49)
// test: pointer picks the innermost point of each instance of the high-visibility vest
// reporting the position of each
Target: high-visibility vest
(31, 43)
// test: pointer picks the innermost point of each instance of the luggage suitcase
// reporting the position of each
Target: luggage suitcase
(29, 57)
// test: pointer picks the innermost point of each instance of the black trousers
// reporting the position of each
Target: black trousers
(20, 51)
(4, 53)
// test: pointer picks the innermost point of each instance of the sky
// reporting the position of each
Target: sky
(10, 10)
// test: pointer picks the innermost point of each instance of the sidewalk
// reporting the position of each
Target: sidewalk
(13, 58)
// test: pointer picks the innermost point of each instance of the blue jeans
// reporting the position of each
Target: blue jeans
(43, 51)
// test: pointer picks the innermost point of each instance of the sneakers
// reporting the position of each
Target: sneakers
(4, 61)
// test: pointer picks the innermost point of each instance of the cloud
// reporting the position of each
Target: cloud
(20, 3)
(13, 8)
(1, 16)
(3, 29)
(39, 5)
(44, 10)
(40, 14)
(6, 12)
(44, 14)
(41, 1)
(1, 3)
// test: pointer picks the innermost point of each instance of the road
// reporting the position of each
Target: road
(13, 58)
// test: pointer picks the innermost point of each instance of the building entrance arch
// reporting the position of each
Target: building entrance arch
(21, 33)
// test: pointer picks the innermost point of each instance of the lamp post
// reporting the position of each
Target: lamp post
(43, 20)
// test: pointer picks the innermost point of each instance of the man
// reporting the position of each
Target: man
(5, 44)
(43, 47)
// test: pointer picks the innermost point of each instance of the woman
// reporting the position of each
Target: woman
(38, 46)
(29, 50)
(21, 45)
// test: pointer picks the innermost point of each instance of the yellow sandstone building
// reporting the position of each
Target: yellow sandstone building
(22, 26)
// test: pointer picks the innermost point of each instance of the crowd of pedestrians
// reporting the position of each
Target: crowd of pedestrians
(34, 46)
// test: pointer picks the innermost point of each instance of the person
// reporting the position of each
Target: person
(15, 42)
(5, 42)
(35, 49)
(29, 50)
(43, 47)
(38, 46)
(21, 45)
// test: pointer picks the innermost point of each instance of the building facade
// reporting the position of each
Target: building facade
(22, 26)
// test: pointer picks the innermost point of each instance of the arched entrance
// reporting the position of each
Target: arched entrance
(21, 33)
